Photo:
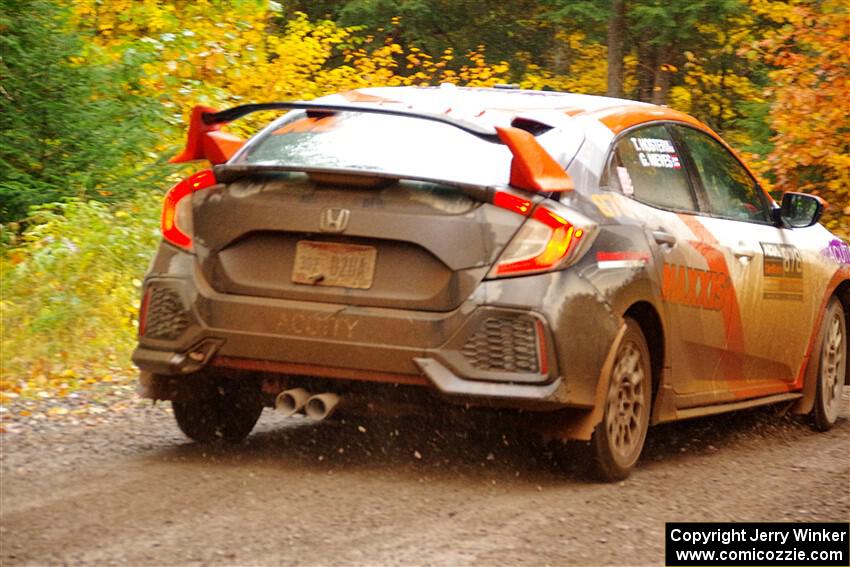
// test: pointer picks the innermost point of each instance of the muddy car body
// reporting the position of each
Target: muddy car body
(596, 264)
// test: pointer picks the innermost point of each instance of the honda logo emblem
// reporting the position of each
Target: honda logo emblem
(334, 220)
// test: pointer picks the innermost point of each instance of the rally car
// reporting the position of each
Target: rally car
(589, 265)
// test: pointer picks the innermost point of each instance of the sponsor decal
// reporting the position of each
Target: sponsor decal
(694, 287)
(783, 272)
(607, 206)
(319, 325)
(656, 152)
(625, 181)
(838, 251)
(612, 207)
(629, 259)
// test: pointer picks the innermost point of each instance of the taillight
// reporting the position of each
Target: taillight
(545, 241)
(512, 202)
(177, 212)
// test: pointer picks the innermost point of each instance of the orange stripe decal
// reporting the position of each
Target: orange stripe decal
(733, 327)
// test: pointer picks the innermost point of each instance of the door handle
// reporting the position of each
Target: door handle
(742, 253)
(664, 238)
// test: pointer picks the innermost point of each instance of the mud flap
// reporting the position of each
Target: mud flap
(579, 425)
(810, 379)
(664, 407)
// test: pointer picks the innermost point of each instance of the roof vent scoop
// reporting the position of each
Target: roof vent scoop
(530, 125)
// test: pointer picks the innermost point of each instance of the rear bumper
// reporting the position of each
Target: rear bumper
(476, 351)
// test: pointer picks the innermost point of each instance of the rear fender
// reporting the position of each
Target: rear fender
(579, 424)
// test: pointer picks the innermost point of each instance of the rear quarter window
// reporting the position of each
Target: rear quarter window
(646, 166)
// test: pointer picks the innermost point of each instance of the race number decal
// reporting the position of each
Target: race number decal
(783, 271)
(656, 152)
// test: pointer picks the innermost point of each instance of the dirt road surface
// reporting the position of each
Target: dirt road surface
(419, 491)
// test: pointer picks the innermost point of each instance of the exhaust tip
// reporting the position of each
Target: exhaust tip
(290, 402)
(321, 406)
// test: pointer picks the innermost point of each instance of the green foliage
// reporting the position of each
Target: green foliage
(69, 292)
(71, 128)
(504, 28)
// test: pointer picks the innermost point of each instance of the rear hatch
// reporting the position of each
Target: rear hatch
(401, 244)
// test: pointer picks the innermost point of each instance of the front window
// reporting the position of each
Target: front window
(730, 190)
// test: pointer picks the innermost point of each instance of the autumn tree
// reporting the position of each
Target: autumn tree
(197, 52)
(810, 111)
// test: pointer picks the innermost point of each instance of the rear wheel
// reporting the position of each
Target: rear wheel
(225, 410)
(832, 366)
(618, 440)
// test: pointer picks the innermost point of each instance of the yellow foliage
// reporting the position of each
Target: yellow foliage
(587, 71)
(235, 53)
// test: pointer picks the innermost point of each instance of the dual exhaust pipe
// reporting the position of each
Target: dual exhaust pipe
(318, 406)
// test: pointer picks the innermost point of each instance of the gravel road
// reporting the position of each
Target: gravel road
(131, 490)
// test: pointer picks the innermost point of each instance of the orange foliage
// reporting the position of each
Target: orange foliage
(811, 110)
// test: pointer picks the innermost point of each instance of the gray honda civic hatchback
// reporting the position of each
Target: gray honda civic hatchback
(590, 266)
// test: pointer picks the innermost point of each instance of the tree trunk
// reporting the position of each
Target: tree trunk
(647, 57)
(663, 76)
(616, 31)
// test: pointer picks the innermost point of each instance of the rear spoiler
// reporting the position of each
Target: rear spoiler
(532, 168)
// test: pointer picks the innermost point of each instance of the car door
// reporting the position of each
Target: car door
(769, 321)
(646, 167)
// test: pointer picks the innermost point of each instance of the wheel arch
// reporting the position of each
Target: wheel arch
(649, 320)
(804, 405)
(842, 292)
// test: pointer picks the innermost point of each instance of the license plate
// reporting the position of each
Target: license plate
(332, 264)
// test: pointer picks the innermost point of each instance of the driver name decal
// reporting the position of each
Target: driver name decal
(656, 152)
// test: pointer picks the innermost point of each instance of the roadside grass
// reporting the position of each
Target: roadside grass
(69, 295)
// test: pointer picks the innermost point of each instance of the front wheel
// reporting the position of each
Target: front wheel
(832, 367)
(618, 440)
(225, 410)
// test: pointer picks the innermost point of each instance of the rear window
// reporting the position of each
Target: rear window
(403, 147)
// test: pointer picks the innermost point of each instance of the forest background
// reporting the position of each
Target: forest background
(94, 97)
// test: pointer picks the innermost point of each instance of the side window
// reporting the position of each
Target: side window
(730, 191)
(646, 166)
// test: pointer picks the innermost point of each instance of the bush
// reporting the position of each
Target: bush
(69, 292)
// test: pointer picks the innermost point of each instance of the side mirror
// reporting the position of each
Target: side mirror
(800, 210)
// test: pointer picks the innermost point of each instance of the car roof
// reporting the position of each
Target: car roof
(476, 102)
(484, 104)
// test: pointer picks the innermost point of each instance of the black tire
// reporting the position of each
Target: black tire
(619, 438)
(832, 366)
(226, 410)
